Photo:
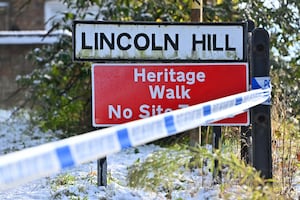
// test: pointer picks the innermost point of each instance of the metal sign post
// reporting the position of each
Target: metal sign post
(217, 174)
(245, 131)
(102, 172)
(196, 16)
(260, 115)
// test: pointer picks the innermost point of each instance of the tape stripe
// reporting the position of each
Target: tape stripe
(65, 157)
(238, 101)
(261, 82)
(169, 123)
(124, 138)
(255, 84)
(207, 110)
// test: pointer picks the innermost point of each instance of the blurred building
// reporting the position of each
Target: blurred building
(22, 28)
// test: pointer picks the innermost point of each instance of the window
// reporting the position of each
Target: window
(53, 9)
(52, 12)
(4, 15)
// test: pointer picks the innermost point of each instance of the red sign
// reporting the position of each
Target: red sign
(126, 92)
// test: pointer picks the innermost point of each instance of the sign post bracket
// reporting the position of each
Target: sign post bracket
(245, 131)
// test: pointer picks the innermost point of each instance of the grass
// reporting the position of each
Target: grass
(165, 171)
(65, 186)
(168, 170)
(286, 148)
(161, 171)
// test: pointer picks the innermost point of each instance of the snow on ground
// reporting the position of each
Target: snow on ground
(80, 182)
(16, 134)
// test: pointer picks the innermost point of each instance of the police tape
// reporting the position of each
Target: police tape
(47, 159)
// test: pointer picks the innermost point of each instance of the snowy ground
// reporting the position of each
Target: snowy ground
(16, 135)
(80, 182)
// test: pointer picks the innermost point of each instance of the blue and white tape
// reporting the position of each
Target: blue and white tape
(262, 82)
(36, 162)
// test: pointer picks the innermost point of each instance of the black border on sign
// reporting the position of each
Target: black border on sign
(120, 60)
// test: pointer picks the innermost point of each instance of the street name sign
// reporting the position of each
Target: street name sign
(150, 41)
(127, 92)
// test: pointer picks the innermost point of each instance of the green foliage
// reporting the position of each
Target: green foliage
(286, 147)
(59, 90)
(65, 186)
(64, 179)
(146, 10)
(164, 171)
(226, 11)
(282, 20)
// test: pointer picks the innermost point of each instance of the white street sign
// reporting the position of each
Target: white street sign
(119, 41)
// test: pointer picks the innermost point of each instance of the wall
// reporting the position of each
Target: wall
(20, 15)
(26, 15)
(12, 64)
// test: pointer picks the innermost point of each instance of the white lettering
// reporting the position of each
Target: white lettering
(181, 77)
(157, 92)
(151, 76)
(160, 92)
(148, 111)
(201, 76)
(137, 75)
(184, 92)
(170, 93)
(118, 113)
(144, 111)
(112, 111)
(168, 75)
